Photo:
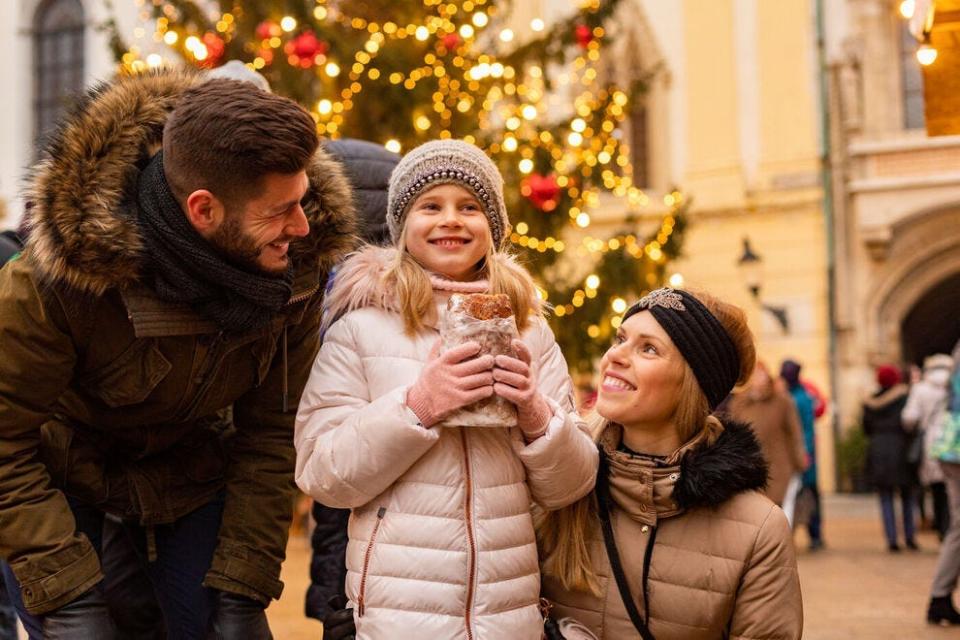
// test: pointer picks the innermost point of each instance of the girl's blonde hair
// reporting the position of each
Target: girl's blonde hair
(562, 535)
(414, 292)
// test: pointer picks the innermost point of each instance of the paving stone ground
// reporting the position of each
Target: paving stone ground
(852, 590)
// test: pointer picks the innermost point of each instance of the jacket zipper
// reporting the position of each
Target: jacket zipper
(300, 297)
(366, 560)
(471, 535)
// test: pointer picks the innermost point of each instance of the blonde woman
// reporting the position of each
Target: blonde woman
(441, 538)
(678, 542)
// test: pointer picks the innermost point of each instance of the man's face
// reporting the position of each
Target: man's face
(257, 234)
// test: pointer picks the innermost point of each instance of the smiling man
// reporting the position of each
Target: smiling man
(157, 333)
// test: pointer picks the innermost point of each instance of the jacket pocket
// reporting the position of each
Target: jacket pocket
(382, 511)
(131, 377)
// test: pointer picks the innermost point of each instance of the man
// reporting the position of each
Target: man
(790, 372)
(157, 331)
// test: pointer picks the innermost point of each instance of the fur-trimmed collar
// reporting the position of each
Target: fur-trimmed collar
(359, 282)
(711, 474)
(81, 210)
(717, 464)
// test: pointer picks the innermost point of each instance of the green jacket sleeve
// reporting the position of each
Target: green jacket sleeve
(260, 487)
(52, 561)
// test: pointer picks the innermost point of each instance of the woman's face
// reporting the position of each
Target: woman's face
(640, 375)
(447, 232)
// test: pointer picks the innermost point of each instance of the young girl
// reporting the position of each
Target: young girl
(678, 542)
(441, 535)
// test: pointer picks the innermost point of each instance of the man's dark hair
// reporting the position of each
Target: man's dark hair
(225, 136)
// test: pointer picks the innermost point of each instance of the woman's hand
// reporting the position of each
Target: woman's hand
(516, 380)
(450, 381)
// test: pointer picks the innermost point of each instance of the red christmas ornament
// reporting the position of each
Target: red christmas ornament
(451, 41)
(307, 45)
(215, 50)
(584, 35)
(268, 29)
(542, 191)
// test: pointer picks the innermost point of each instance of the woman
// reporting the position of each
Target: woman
(774, 419)
(679, 509)
(887, 453)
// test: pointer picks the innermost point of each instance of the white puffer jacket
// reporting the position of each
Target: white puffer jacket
(442, 542)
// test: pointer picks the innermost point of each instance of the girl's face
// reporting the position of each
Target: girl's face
(640, 375)
(447, 232)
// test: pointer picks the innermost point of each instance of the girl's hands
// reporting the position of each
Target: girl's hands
(450, 381)
(516, 380)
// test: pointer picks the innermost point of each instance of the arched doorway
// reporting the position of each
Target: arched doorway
(933, 324)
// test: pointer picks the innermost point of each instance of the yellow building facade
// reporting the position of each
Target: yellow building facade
(734, 123)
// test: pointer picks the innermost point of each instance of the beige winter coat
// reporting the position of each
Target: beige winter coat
(707, 556)
(441, 535)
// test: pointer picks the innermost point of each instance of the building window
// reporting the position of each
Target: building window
(912, 80)
(58, 61)
(639, 144)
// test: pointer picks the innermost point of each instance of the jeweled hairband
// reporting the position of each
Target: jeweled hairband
(701, 339)
(418, 185)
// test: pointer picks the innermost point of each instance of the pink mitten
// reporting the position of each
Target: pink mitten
(516, 380)
(450, 381)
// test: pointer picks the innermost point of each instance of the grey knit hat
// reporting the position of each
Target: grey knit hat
(447, 162)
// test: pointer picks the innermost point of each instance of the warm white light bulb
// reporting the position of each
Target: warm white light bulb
(393, 145)
(537, 24)
(506, 35)
(926, 55)
(619, 305)
(288, 23)
(907, 7)
(676, 281)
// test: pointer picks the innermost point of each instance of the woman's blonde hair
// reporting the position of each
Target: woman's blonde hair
(414, 292)
(562, 535)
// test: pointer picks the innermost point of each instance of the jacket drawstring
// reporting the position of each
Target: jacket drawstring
(284, 347)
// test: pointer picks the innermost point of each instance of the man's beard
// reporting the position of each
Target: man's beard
(240, 249)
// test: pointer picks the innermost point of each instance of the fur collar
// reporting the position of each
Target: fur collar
(724, 459)
(711, 474)
(359, 282)
(82, 215)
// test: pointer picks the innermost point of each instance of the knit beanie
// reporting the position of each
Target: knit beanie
(887, 376)
(447, 162)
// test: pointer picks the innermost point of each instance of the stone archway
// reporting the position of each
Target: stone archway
(933, 324)
(922, 262)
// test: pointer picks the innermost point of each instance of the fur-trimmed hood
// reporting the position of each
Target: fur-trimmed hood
(359, 282)
(711, 474)
(81, 194)
(722, 461)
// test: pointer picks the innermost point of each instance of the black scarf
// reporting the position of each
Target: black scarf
(185, 268)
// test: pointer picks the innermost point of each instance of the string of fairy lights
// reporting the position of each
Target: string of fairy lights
(508, 103)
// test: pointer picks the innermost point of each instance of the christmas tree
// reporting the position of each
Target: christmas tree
(401, 72)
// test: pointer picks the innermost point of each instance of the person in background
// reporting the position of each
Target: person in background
(926, 403)
(947, 450)
(804, 403)
(887, 463)
(368, 167)
(773, 417)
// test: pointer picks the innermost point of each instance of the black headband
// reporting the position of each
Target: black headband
(704, 343)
